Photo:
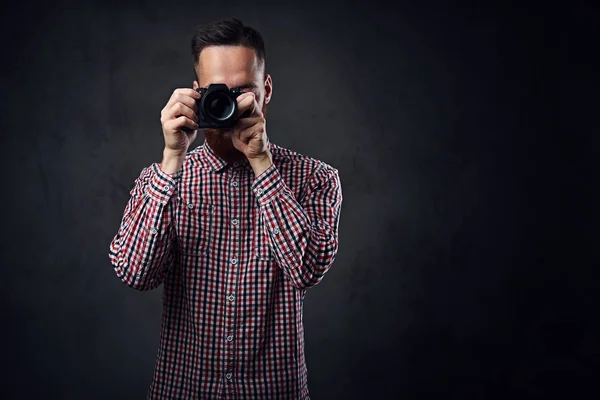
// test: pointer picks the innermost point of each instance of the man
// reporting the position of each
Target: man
(237, 229)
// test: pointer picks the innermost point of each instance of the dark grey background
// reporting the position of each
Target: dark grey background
(468, 237)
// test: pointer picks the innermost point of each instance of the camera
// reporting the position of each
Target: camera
(217, 106)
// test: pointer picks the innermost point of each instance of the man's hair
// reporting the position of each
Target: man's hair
(228, 32)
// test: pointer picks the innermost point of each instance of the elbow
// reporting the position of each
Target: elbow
(304, 282)
(313, 267)
(134, 275)
(141, 283)
(307, 276)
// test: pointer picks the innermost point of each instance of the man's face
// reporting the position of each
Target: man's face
(235, 66)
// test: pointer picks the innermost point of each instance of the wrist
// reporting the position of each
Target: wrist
(262, 163)
(172, 161)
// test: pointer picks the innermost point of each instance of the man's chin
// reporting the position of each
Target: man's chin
(220, 141)
(218, 133)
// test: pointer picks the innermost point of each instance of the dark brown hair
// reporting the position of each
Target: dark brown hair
(228, 32)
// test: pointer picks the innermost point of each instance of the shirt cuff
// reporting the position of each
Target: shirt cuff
(268, 185)
(162, 186)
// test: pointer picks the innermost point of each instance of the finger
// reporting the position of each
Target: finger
(188, 92)
(180, 123)
(184, 99)
(188, 123)
(253, 131)
(185, 96)
(237, 142)
(244, 123)
(181, 109)
(246, 105)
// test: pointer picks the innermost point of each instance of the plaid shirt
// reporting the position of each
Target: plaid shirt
(236, 254)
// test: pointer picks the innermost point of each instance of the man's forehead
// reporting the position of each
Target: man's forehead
(236, 63)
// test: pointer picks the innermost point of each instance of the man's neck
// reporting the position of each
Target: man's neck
(229, 156)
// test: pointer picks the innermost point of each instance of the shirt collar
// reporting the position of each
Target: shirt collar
(216, 163)
(210, 159)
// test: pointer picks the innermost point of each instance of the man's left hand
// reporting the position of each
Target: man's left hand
(250, 134)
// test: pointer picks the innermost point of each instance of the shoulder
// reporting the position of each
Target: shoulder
(286, 159)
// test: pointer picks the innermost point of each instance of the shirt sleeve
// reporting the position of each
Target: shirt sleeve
(303, 234)
(141, 251)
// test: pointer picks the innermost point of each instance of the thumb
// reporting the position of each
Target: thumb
(237, 142)
(245, 105)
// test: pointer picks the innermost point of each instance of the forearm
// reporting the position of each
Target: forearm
(305, 250)
(172, 161)
(141, 250)
(302, 234)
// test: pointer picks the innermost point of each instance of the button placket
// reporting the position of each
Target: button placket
(232, 272)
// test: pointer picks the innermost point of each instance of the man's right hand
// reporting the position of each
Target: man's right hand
(179, 121)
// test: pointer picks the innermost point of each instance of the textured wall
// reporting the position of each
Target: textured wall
(460, 229)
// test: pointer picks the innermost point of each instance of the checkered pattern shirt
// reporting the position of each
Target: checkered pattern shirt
(235, 254)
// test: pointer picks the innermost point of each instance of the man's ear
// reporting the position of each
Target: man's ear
(195, 85)
(268, 88)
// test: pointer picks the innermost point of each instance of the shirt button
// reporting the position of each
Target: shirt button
(230, 297)
(230, 338)
(260, 191)
(166, 188)
(234, 184)
(154, 231)
(190, 206)
(276, 231)
(228, 375)
(234, 261)
(234, 221)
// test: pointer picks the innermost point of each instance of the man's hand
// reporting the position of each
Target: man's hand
(179, 120)
(179, 124)
(250, 134)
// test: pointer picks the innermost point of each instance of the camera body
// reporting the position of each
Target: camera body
(217, 106)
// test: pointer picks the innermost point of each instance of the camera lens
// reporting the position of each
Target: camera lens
(219, 105)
